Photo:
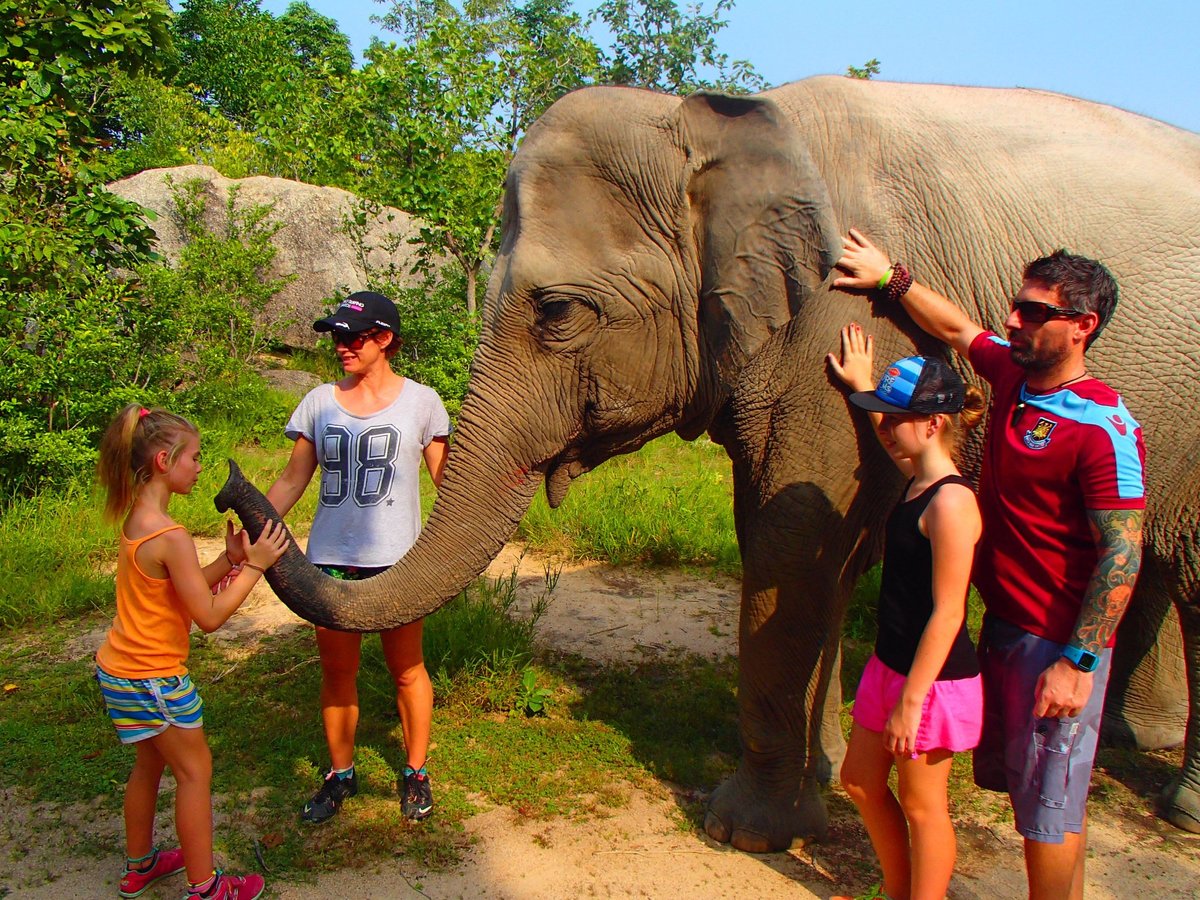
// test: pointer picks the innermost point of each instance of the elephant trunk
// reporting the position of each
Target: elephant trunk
(478, 508)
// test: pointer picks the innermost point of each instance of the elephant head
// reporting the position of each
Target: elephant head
(649, 247)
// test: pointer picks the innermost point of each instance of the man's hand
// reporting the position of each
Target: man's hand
(1062, 691)
(864, 262)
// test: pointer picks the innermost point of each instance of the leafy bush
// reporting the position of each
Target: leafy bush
(185, 337)
(439, 337)
(68, 360)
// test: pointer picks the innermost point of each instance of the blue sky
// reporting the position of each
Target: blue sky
(1141, 57)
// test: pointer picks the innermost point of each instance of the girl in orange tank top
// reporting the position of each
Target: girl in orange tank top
(147, 456)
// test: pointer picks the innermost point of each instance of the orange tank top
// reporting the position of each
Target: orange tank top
(149, 636)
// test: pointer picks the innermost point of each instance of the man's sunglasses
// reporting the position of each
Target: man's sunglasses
(1036, 313)
(352, 341)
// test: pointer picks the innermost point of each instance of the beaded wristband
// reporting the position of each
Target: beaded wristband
(900, 282)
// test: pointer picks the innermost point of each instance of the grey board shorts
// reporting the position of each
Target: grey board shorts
(1045, 765)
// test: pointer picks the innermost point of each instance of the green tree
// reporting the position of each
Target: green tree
(656, 46)
(869, 69)
(315, 40)
(470, 83)
(56, 221)
(249, 94)
(239, 56)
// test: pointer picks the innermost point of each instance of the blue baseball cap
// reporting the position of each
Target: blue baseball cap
(915, 385)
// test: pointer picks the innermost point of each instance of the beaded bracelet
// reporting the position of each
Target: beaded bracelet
(899, 283)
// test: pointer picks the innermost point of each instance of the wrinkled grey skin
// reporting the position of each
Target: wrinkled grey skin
(664, 267)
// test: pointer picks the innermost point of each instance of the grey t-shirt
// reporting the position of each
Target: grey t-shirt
(369, 508)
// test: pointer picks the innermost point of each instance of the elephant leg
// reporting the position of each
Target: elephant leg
(832, 750)
(1179, 802)
(791, 614)
(774, 796)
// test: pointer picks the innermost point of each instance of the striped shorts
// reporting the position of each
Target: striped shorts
(141, 708)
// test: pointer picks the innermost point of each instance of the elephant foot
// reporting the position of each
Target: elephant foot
(1122, 731)
(751, 819)
(1180, 805)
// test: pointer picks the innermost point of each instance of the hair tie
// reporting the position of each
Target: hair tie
(143, 412)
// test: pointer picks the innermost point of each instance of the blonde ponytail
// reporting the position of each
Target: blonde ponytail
(127, 452)
(972, 413)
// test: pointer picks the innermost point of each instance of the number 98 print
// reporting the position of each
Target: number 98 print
(364, 471)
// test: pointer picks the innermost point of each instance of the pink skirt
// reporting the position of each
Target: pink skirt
(951, 719)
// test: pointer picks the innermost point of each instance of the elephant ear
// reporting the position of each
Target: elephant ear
(761, 219)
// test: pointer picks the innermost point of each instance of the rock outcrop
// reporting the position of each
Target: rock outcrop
(312, 245)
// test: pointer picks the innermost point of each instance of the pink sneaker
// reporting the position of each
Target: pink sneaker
(233, 887)
(166, 863)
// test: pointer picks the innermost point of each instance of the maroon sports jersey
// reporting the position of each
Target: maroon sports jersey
(1063, 453)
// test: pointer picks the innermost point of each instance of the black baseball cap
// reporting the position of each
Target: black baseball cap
(361, 311)
(914, 385)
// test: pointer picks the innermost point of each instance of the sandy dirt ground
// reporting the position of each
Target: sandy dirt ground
(641, 849)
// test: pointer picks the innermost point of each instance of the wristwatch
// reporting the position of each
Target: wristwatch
(1083, 660)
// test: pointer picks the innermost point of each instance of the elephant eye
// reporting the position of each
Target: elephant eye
(554, 309)
(563, 318)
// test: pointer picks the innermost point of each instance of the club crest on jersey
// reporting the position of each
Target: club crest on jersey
(1037, 437)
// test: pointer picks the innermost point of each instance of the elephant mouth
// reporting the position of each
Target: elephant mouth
(577, 460)
(560, 473)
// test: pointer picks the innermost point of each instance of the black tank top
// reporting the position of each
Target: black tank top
(906, 592)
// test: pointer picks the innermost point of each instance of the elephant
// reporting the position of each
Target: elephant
(666, 264)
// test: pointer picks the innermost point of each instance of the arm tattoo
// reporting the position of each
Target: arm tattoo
(1118, 534)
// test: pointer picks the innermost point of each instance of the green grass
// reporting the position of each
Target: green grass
(53, 550)
(603, 729)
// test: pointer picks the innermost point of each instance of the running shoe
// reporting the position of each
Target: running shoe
(164, 864)
(232, 887)
(328, 800)
(417, 802)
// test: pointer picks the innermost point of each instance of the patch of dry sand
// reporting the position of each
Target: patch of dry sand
(641, 849)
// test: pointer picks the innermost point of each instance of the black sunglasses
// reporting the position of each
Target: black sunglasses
(1037, 313)
(352, 341)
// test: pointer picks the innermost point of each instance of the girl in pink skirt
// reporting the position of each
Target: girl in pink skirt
(920, 699)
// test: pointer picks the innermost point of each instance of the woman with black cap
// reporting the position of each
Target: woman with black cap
(920, 699)
(368, 433)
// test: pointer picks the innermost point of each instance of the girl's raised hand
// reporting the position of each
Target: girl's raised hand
(269, 546)
(234, 551)
(858, 357)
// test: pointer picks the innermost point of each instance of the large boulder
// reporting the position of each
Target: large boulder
(314, 244)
